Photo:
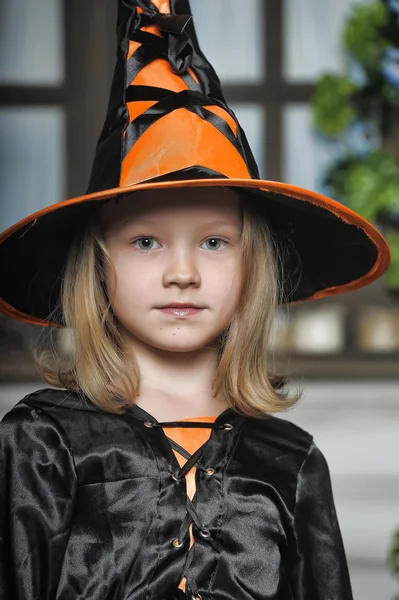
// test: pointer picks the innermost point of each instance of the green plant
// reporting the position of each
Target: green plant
(332, 109)
(393, 272)
(393, 558)
(360, 109)
(364, 36)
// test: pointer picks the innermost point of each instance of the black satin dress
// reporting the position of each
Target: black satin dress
(94, 507)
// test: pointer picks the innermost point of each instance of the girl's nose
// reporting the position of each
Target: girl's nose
(182, 270)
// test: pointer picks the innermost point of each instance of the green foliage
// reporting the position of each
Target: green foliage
(366, 178)
(393, 282)
(363, 34)
(369, 184)
(332, 110)
(393, 556)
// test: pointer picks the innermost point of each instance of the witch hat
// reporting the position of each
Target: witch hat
(168, 126)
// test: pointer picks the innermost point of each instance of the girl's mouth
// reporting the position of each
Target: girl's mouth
(181, 312)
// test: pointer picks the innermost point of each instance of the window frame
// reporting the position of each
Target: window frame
(83, 97)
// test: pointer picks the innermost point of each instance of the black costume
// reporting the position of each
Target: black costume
(91, 505)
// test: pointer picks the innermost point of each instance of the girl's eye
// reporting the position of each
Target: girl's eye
(146, 246)
(212, 241)
(147, 241)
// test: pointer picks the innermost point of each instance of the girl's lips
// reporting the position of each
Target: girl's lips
(187, 311)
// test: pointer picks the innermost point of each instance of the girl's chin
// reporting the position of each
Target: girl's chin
(177, 341)
(179, 347)
(175, 346)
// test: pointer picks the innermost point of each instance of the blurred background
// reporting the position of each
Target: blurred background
(315, 85)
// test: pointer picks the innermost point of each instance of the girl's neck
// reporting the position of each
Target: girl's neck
(165, 408)
(177, 385)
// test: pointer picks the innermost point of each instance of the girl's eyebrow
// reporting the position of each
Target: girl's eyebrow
(161, 222)
(217, 222)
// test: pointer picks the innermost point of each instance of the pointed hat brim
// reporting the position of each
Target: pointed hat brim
(338, 251)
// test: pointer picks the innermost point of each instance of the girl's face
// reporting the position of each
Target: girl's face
(171, 246)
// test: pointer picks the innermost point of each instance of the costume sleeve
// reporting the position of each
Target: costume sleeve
(37, 489)
(320, 567)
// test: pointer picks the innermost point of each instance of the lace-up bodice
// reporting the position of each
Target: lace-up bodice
(187, 437)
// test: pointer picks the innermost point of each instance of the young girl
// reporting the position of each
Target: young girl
(154, 468)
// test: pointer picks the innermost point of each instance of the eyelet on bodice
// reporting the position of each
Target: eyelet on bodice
(205, 533)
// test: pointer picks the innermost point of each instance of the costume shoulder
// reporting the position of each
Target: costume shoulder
(292, 430)
(38, 485)
(48, 399)
(289, 458)
(319, 557)
(35, 418)
(57, 405)
(29, 434)
(283, 435)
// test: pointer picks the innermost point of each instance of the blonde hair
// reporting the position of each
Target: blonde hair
(100, 356)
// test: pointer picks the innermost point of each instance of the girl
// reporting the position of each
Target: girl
(154, 468)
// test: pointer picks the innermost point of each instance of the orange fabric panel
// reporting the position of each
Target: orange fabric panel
(133, 46)
(191, 440)
(193, 75)
(178, 140)
(159, 74)
(138, 107)
(151, 29)
(162, 5)
(217, 110)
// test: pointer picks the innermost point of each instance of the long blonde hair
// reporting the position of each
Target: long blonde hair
(100, 356)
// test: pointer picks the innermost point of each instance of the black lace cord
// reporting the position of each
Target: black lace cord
(184, 452)
(191, 516)
(193, 424)
(153, 47)
(179, 50)
(191, 513)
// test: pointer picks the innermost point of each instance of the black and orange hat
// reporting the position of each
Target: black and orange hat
(168, 126)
